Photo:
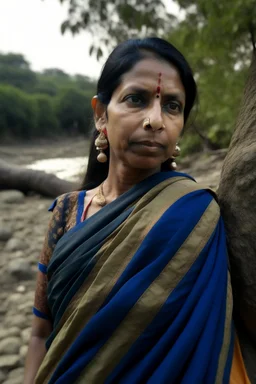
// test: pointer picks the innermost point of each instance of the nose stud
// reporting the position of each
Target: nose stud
(146, 122)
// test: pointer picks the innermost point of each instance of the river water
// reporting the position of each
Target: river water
(65, 168)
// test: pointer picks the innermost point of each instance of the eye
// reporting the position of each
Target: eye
(173, 106)
(134, 99)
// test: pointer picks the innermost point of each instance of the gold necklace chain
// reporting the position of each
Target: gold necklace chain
(100, 198)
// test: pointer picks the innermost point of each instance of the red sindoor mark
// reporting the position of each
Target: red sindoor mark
(158, 89)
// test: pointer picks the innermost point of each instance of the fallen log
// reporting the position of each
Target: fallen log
(28, 180)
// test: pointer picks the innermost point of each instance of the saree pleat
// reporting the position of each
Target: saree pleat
(146, 291)
(164, 359)
(159, 336)
(149, 302)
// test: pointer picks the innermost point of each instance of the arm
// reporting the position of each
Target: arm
(41, 330)
(42, 325)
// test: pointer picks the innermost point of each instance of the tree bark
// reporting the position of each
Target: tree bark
(237, 198)
(28, 180)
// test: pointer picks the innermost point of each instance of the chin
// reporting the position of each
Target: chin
(146, 163)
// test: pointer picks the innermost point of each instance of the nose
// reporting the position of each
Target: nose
(155, 117)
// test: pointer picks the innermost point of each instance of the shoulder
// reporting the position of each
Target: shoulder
(67, 200)
(198, 194)
(188, 182)
(64, 209)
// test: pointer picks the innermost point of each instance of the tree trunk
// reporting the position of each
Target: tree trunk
(27, 180)
(237, 198)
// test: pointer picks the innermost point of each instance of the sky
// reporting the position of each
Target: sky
(32, 27)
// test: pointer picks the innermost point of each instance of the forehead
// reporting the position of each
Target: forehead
(146, 73)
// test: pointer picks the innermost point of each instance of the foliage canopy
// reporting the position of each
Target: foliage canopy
(44, 104)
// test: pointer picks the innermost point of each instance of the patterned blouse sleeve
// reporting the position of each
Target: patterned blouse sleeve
(56, 229)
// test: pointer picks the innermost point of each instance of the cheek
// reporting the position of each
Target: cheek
(117, 132)
(112, 123)
(175, 129)
(174, 133)
(119, 125)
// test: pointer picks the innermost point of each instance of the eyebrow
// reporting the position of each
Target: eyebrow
(173, 96)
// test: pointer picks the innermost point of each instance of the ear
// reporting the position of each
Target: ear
(99, 112)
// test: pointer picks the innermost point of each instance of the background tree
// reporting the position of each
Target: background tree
(116, 20)
(220, 84)
(18, 113)
(49, 103)
(15, 60)
(74, 111)
(15, 70)
(218, 39)
(47, 123)
(227, 25)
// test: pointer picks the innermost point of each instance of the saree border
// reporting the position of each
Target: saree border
(154, 297)
(77, 321)
(227, 334)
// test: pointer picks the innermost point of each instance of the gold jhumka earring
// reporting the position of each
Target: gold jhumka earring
(101, 143)
(176, 153)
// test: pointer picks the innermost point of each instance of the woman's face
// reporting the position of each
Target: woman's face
(152, 89)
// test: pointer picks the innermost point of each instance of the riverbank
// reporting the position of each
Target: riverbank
(23, 223)
(26, 153)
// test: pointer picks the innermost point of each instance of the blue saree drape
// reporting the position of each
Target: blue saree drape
(140, 292)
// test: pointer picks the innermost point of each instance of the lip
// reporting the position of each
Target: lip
(149, 143)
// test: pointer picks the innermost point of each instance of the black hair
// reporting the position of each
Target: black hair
(123, 58)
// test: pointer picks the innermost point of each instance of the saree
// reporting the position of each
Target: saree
(140, 292)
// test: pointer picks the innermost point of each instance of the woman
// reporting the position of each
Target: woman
(137, 287)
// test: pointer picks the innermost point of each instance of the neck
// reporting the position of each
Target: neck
(121, 178)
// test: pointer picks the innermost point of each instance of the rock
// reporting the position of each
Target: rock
(21, 289)
(25, 335)
(13, 331)
(23, 353)
(9, 362)
(12, 197)
(20, 269)
(30, 295)
(17, 255)
(26, 307)
(16, 373)
(13, 299)
(2, 376)
(3, 308)
(10, 346)
(19, 226)
(19, 320)
(5, 234)
(3, 295)
(15, 245)
(17, 380)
